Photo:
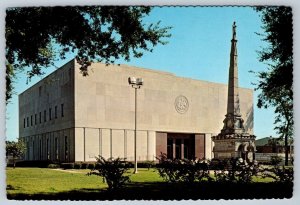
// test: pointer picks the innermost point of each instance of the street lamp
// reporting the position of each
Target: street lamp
(136, 83)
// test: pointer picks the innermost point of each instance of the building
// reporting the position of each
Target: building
(269, 147)
(69, 117)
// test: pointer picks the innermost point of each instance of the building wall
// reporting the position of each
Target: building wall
(104, 100)
(91, 142)
(99, 112)
(54, 94)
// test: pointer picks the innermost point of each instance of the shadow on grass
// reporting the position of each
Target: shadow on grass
(167, 191)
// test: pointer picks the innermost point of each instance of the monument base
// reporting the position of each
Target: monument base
(234, 146)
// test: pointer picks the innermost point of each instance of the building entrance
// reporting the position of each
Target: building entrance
(180, 146)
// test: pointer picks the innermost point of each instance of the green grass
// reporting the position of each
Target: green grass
(42, 180)
(43, 183)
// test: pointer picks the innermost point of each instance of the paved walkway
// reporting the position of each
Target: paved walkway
(69, 171)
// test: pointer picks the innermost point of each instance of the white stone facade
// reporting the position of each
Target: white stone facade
(94, 115)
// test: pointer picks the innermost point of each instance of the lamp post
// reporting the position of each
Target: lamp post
(136, 83)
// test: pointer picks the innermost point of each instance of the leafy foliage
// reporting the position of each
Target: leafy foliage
(112, 170)
(275, 160)
(15, 149)
(276, 84)
(236, 170)
(284, 174)
(37, 36)
(185, 170)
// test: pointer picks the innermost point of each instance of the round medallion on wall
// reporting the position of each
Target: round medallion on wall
(181, 104)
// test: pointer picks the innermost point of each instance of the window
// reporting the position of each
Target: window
(55, 112)
(40, 91)
(31, 120)
(47, 149)
(27, 121)
(50, 113)
(35, 119)
(24, 122)
(66, 148)
(33, 154)
(56, 148)
(170, 149)
(41, 150)
(45, 115)
(40, 117)
(62, 110)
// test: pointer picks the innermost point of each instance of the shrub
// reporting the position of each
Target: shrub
(77, 166)
(236, 170)
(279, 174)
(91, 166)
(67, 165)
(112, 170)
(146, 164)
(53, 166)
(275, 160)
(84, 166)
(186, 170)
(34, 163)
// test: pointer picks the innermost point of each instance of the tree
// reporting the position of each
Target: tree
(37, 36)
(15, 149)
(276, 84)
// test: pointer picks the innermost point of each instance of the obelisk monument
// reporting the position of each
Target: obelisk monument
(233, 141)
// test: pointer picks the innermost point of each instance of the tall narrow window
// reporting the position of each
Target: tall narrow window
(55, 111)
(40, 117)
(24, 122)
(50, 114)
(40, 91)
(31, 120)
(47, 149)
(33, 154)
(56, 148)
(45, 115)
(41, 150)
(62, 110)
(66, 148)
(35, 119)
(27, 121)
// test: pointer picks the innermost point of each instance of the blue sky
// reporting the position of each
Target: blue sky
(199, 48)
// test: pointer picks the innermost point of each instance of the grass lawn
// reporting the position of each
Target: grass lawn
(43, 183)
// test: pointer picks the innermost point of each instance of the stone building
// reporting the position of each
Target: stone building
(69, 117)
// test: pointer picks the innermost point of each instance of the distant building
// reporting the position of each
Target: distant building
(268, 147)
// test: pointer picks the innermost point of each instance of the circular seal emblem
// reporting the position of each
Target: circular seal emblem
(181, 104)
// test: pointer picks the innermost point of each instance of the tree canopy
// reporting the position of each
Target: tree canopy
(276, 84)
(15, 149)
(37, 36)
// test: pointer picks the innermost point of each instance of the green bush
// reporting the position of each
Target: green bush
(91, 166)
(84, 165)
(186, 170)
(77, 166)
(34, 163)
(285, 175)
(275, 160)
(67, 165)
(112, 170)
(53, 166)
(236, 170)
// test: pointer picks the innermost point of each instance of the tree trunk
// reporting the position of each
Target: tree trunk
(286, 150)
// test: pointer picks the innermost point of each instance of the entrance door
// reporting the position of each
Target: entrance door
(180, 146)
